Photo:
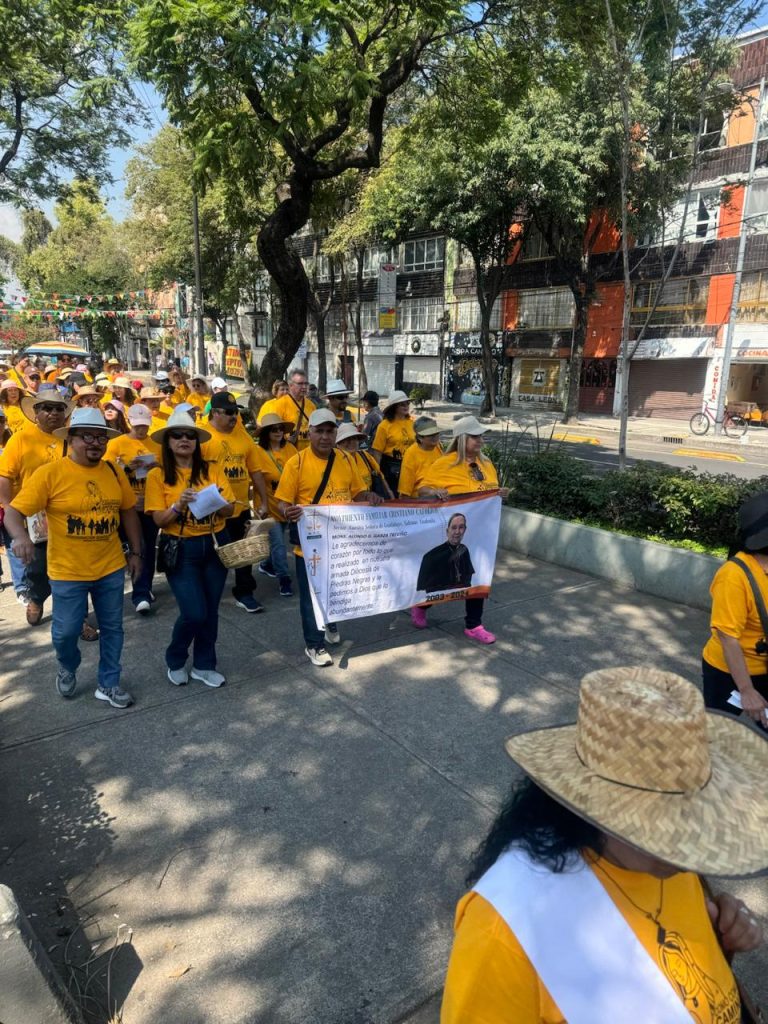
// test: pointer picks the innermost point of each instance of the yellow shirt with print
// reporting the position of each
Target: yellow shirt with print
(366, 468)
(83, 505)
(121, 451)
(394, 437)
(734, 613)
(416, 463)
(26, 451)
(237, 457)
(15, 418)
(459, 479)
(291, 411)
(272, 463)
(159, 496)
(491, 980)
(303, 475)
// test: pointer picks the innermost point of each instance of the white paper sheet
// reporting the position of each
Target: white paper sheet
(206, 502)
(147, 462)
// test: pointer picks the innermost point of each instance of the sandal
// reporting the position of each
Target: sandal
(89, 632)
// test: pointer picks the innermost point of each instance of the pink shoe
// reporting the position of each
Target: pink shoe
(481, 634)
(419, 617)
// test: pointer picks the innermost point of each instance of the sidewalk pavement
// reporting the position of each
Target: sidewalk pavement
(290, 849)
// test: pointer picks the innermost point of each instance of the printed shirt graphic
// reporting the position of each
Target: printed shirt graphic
(160, 496)
(458, 479)
(290, 411)
(490, 979)
(121, 451)
(83, 505)
(272, 463)
(393, 437)
(416, 464)
(237, 457)
(735, 613)
(26, 451)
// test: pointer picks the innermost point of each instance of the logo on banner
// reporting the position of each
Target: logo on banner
(313, 524)
(314, 562)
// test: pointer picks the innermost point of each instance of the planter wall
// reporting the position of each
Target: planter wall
(657, 569)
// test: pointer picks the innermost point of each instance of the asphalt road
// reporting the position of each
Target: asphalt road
(599, 449)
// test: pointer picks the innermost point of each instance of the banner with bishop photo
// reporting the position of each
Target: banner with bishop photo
(363, 560)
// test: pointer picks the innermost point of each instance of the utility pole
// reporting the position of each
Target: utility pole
(725, 372)
(201, 361)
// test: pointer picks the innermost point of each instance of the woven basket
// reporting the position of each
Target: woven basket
(253, 548)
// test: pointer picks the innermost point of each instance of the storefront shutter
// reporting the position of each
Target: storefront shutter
(666, 388)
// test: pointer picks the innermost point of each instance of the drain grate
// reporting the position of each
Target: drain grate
(673, 440)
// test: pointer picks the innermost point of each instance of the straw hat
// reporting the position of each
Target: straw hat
(180, 420)
(50, 394)
(88, 391)
(123, 382)
(8, 384)
(337, 389)
(395, 398)
(151, 393)
(347, 430)
(273, 420)
(648, 764)
(468, 425)
(92, 418)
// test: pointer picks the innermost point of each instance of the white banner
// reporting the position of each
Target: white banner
(363, 560)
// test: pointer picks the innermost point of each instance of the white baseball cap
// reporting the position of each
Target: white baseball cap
(321, 416)
(139, 416)
(219, 382)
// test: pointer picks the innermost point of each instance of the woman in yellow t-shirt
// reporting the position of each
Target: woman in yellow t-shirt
(394, 435)
(274, 452)
(279, 389)
(197, 575)
(419, 457)
(616, 819)
(735, 658)
(462, 470)
(10, 399)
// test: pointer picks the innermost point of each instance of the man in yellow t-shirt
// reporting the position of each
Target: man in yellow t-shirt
(299, 484)
(27, 450)
(296, 408)
(86, 501)
(234, 451)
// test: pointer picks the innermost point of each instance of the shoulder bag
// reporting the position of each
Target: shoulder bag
(293, 528)
(169, 548)
(378, 485)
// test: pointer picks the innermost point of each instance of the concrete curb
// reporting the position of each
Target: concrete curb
(30, 989)
(672, 573)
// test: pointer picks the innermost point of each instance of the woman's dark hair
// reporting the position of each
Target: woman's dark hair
(546, 830)
(170, 469)
(389, 414)
(119, 423)
(738, 542)
(264, 438)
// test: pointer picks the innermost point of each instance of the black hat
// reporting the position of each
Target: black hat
(753, 522)
(225, 401)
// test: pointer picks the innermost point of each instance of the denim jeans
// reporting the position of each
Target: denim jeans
(36, 575)
(197, 583)
(245, 584)
(278, 555)
(313, 637)
(15, 564)
(143, 585)
(70, 605)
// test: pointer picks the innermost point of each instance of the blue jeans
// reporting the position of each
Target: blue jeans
(143, 585)
(278, 555)
(70, 606)
(197, 583)
(313, 637)
(15, 564)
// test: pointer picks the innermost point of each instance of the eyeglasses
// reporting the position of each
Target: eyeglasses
(183, 435)
(50, 407)
(476, 472)
(92, 438)
(227, 412)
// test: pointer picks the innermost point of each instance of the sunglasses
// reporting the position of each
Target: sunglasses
(34, 376)
(476, 472)
(183, 435)
(92, 438)
(227, 412)
(49, 407)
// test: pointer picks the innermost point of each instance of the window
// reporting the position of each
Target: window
(534, 245)
(424, 254)
(466, 315)
(757, 208)
(753, 298)
(598, 373)
(369, 321)
(421, 314)
(545, 309)
(373, 257)
(700, 221)
(323, 268)
(714, 131)
(683, 301)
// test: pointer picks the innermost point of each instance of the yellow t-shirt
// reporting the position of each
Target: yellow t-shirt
(26, 451)
(303, 475)
(237, 457)
(272, 464)
(271, 406)
(295, 412)
(15, 418)
(393, 437)
(416, 463)
(198, 400)
(365, 469)
(159, 496)
(123, 450)
(83, 505)
(490, 979)
(734, 613)
(455, 479)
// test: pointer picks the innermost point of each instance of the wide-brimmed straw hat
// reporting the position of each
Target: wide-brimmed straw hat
(180, 420)
(395, 398)
(347, 430)
(88, 392)
(273, 420)
(646, 762)
(151, 393)
(49, 394)
(123, 382)
(85, 418)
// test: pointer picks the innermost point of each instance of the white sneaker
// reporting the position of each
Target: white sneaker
(318, 656)
(143, 607)
(332, 635)
(208, 676)
(22, 598)
(178, 676)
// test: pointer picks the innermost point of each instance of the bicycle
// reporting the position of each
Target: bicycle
(733, 424)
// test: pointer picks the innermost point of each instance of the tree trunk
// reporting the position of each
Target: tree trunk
(485, 301)
(322, 363)
(581, 297)
(248, 369)
(287, 272)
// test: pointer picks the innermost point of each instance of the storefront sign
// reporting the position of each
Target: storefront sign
(387, 296)
(416, 345)
(233, 364)
(465, 368)
(539, 381)
(750, 342)
(673, 348)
